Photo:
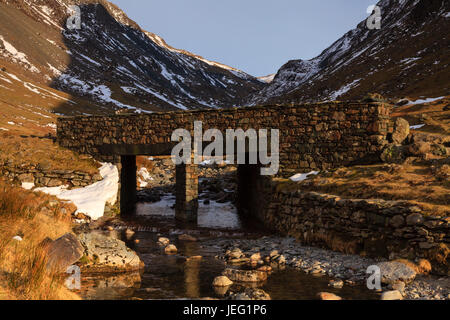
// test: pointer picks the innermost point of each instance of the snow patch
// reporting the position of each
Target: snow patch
(303, 176)
(144, 177)
(427, 100)
(91, 200)
(343, 90)
(28, 185)
(18, 56)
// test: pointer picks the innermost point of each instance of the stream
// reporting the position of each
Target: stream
(187, 276)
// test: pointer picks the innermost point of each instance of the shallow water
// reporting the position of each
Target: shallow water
(178, 276)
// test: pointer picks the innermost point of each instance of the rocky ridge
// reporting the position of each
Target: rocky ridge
(408, 56)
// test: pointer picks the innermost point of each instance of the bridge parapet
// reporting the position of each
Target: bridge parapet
(312, 136)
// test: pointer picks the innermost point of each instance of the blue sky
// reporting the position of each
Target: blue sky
(256, 36)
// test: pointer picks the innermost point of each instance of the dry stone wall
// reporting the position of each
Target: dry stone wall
(47, 177)
(378, 228)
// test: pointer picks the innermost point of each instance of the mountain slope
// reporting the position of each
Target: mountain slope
(408, 56)
(110, 63)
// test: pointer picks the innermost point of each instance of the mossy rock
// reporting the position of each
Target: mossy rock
(393, 154)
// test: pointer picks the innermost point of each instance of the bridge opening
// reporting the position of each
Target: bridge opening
(210, 194)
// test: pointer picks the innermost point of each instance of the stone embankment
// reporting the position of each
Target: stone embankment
(376, 228)
(399, 279)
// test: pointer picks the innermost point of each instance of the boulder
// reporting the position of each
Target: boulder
(393, 272)
(63, 252)
(222, 281)
(393, 154)
(105, 253)
(401, 131)
(26, 177)
(392, 295)
(245, 275)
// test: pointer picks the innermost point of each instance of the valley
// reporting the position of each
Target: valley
(301, 236)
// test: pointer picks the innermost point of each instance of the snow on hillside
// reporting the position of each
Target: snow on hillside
(19, 57)
(111, 52)
(410, 51)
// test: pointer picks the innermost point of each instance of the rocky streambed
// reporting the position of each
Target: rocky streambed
(183, 261)
(225, 257)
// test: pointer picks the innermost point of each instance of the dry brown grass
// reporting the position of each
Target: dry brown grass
(23, 271)
(27, 150)
(423, 266)
(144, 162)
(435, 116)
(415, 182)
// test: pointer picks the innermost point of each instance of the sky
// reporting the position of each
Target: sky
(256, 36)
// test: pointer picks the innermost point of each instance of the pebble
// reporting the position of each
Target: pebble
(338, 284)
(351, 269)
(129, 233)
(170, 249)
(222, 281)
(255, 257)
(163, 241)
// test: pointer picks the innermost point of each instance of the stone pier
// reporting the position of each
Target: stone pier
(186, 205)
(128, 184)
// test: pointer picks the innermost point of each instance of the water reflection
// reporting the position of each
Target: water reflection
(110, 286)
(212, 215)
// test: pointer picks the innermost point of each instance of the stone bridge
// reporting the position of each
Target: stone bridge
(312, 136)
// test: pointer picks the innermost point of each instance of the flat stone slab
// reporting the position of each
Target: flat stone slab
(107, 253)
